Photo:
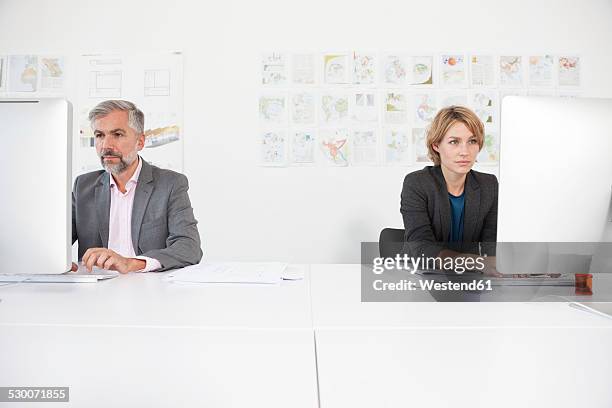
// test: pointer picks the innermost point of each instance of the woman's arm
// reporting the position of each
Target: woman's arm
(419, 234)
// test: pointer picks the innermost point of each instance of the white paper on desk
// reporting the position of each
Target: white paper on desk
(294, 272)
(230, 272)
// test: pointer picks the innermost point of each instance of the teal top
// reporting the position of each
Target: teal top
(457, 210)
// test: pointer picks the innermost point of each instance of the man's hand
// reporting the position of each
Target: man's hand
(108, 259)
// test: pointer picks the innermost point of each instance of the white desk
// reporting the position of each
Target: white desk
(138, 341)
(454, 354)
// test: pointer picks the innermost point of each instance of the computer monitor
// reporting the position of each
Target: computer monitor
(35, 180)
(555, 176)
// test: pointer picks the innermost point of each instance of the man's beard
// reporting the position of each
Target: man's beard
(124, 162)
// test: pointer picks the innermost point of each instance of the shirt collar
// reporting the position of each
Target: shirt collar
(133, 180)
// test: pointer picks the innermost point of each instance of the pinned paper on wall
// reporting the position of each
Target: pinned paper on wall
(3, 69)
(154, 82)
(453, 71)
(398, 147)
(485, 104)
(364, 68)
(541, 70)
(334, 108)
(52, 74)
(273, 68)
(303, 69)
(23, 72)
(395, 70)
(365, 147)
(334, 145)
(419, 141)
(303, 108)
(510, 71)
(303, 147)
(396, 108)
(272, 109)
(336, 68)
(424, 109)
(490, 149)
(452, 97)
(273, 148)
(482, 70)
(569, 71)
(364, 106)
(393, 97)
(421, 70)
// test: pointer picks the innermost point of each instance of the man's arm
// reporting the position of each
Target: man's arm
(183, 246)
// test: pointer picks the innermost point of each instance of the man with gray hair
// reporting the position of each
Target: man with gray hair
(131, 216)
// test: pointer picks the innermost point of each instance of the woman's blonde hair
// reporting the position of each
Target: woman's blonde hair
(444, 120)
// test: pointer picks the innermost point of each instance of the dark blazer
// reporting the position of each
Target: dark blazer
(163, 225)
(425, 208)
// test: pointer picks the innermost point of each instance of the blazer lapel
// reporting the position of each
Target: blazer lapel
(444, 214)
(144, 187)
(472, 207)
(102, 200)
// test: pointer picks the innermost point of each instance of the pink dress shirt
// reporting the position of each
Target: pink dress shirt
(120, 221)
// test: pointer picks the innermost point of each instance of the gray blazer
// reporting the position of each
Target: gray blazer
(163, 225)
(425, 208)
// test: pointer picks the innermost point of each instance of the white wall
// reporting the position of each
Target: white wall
(296, 214)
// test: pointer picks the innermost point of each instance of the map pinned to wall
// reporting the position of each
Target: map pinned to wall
(23, 72)
(154, 82)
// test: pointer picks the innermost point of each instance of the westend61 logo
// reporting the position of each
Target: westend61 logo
(411, 264)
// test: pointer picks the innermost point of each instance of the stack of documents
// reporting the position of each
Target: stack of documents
(268, 273)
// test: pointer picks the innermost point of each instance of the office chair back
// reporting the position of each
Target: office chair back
(391, 242)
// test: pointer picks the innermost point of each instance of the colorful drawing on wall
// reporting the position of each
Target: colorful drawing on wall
(303, 147)
(510, 71)
(364, 68)
(273, 148)
(334, 144)
(273, 68)
(397, 147)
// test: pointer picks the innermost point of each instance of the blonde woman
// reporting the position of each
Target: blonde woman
(449, 208)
